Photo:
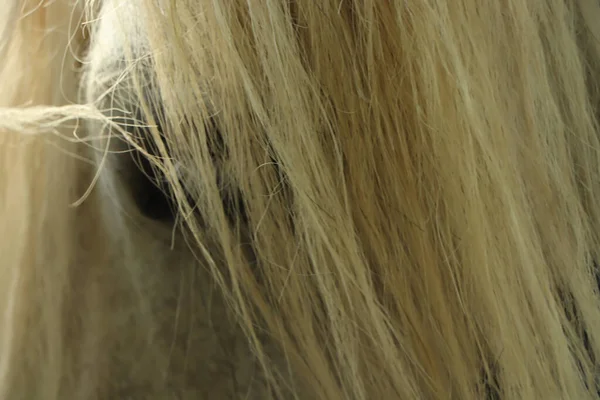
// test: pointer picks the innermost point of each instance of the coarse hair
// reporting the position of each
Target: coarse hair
(361, 199)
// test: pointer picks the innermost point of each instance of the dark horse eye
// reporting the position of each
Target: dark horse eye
(146, 184)
(149, 188)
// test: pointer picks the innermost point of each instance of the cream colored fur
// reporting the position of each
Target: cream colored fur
(372, 199)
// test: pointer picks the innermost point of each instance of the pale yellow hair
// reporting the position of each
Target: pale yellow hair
(396, 199)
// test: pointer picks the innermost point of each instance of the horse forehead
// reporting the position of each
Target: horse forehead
(119, 30)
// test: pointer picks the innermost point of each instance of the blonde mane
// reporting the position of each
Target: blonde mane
(299, 199)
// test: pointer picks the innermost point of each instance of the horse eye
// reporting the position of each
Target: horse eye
(146, 185)
(150, 189)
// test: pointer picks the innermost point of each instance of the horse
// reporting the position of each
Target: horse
(299, 199)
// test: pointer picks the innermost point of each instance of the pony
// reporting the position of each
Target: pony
(299, 199)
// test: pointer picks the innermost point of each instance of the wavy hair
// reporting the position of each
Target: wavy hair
(332, 199)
